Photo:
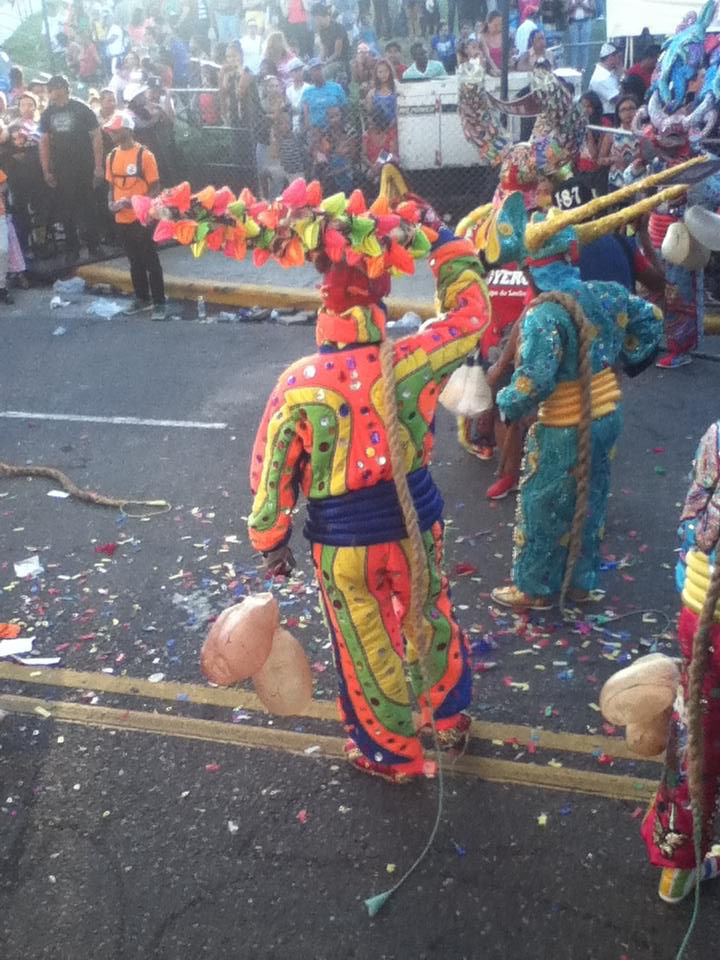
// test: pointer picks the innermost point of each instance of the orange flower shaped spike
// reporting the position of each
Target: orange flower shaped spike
(314, 195)
(356, 203)
(294, 255)
(206, 197)
(334, 243)
(179, 197)
(408, 210)
(398, 257)
(295, 195)
(164, 231)
(268, 218)
(215, 239)
(223, 198)
(375, 266)
(380, 207)
(185, 231)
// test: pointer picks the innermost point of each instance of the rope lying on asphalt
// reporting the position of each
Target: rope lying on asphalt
(86, 496)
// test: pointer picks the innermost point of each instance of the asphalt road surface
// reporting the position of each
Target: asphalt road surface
(145, 814)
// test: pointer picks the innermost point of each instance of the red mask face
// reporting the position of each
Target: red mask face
(345, 287)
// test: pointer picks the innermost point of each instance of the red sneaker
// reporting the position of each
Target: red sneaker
(674, 360)
(483, 451)
(502, 487)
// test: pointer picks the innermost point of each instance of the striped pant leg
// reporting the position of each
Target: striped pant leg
(357, 590)
(446, 688)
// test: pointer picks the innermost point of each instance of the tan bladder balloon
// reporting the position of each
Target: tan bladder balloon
(284, 682)
(239, 641)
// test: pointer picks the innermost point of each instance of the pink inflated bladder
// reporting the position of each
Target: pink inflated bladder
(239, 642)
(640, 698)
(284, 682)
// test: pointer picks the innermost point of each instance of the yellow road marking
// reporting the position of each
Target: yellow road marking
(163, 724)
(317, 709)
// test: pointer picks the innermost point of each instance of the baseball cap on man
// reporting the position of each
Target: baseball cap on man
(121, 120)
(607, 50)
(316, 62)
(294, 64)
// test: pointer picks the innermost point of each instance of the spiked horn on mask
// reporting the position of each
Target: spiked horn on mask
(387, 235)
(503, 235)
(537, 235)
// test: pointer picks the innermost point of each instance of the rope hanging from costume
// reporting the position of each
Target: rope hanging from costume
(582, 475)
(696, 745)
(419, 583)
(86, 496)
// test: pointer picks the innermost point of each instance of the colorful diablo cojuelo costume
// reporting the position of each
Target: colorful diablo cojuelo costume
(328, 431)
(682, 110)
(617, 327)
(668, 826)
(324, 432)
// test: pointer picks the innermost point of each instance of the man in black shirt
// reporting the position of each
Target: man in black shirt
(71, 155)
(335, 44)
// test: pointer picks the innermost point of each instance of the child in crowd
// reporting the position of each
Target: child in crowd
(131, 170)
(286, 153)
(444, 46)
(379, 140)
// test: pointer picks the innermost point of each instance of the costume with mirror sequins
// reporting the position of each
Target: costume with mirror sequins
(324, 433)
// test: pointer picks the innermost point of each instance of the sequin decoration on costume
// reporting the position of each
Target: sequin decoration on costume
(547, 371)
(324, 433)
(556, 139)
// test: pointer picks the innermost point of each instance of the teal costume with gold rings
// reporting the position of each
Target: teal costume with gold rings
(624, 329)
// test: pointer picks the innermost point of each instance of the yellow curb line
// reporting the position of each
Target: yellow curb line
(313, 745)
(316, 710)
(241, 294)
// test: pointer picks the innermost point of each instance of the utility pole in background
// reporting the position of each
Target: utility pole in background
(48, 38)
(505, 11)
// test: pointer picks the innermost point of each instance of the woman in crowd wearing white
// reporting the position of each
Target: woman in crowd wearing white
(295, 89)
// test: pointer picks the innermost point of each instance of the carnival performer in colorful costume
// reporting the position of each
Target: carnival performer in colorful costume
(333, 428)
(324, 432)
(683, 108)
(671, 822)
(556, 347)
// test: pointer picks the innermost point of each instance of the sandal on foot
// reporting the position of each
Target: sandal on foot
(517, 600)
(455, 739)
(393, 774)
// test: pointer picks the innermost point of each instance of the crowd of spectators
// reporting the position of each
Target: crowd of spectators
(301, 87)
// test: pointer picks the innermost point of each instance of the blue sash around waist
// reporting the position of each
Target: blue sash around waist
(373, 515)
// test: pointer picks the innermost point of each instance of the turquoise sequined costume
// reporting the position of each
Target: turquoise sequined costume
(627, 330)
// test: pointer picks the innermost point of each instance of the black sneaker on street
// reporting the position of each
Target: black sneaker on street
(5, 297)
(159, 312)
(137, 306)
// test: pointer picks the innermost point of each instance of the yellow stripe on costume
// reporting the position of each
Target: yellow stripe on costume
(309, 396)
(697, 581)
(277, 422)
(377, 398)
(349, 569)
(452, 351)
(563, 407)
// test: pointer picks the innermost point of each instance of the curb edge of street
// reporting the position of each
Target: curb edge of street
(257, 295)
(243, 294)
